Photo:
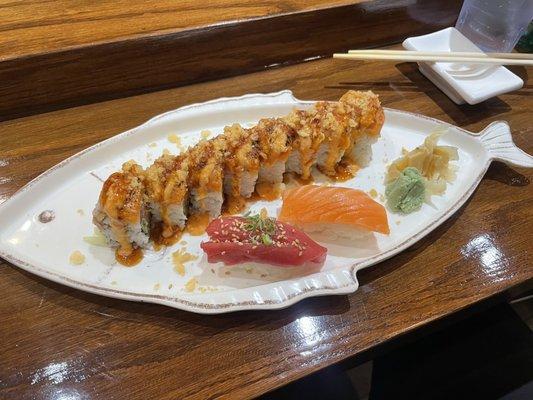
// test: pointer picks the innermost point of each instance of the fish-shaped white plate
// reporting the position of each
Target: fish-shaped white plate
(70, 189)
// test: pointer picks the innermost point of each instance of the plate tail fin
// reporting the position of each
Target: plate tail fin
(498, 141)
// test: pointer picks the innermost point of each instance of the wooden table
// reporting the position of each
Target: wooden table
(58, 341)
(63, 53)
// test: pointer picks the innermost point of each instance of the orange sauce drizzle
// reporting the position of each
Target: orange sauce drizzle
(233, 205)
(197, 223)
(291, 177)
(266, 191)
(161, 237)
(344, 171)
(131, 259)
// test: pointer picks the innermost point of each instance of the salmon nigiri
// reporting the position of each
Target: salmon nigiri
(343, 211)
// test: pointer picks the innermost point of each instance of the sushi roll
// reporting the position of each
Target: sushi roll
(188, 191)
(334, 120)
(121, 213)
(333, 211)
(275, 140)
(241, 166)
(365, 108)
(306, 143)
(167, 196)
(205, 182)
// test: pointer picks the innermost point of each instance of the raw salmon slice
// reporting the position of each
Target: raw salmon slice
(312, 205)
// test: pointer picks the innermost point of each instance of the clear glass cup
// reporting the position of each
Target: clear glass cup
(495, 25)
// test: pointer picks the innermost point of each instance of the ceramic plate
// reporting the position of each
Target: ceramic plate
(70, 190)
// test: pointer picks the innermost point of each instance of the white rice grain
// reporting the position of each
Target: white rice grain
(362, 150)
(272, 173)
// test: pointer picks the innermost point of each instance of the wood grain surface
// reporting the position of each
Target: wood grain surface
(61, 343)
(32, 26)
(102, 66)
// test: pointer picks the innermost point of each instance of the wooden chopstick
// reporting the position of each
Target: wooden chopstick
(446, 59)
(519, 56)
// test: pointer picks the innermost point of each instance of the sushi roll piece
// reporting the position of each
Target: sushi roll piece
(241, 166)
(334, 211)
(336, 123)
(275, 138)
(306, 143)
(205, 182)
(167, 196)
(364, 106)
(122, 215)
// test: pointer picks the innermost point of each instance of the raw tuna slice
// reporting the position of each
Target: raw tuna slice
(234, 240)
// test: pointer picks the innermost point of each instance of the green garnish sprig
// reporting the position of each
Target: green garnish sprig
(264, 227)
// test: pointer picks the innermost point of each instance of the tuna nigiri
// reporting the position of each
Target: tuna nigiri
(342, 211)
(258, 238)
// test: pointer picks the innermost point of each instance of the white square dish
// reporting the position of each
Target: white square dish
(472, 84)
